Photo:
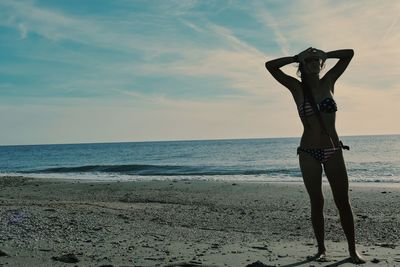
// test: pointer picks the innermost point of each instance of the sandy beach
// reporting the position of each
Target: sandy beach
(49, 222)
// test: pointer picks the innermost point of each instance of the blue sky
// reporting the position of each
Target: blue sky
(127, 70)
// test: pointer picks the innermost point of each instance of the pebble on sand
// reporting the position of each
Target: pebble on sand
(67, 258)
(375, 260)
(258, 264)
(3, 253)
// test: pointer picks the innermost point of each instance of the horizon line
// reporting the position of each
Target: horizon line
(182, 140)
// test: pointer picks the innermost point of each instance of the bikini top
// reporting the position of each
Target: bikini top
(328, 105)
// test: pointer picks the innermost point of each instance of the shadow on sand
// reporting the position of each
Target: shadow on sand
(347, 260)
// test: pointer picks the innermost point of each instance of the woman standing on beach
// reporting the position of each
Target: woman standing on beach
(320, 147)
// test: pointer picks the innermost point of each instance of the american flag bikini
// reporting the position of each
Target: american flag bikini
(328, 105)
(320, 154)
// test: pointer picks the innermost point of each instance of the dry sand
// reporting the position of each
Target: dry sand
(185, 223)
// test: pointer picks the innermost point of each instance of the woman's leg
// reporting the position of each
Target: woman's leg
(335, 170)
(311, 170)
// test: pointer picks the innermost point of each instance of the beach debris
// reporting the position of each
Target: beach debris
(45, 249)
(262, 248)
(318, 258)
(123, 216)
(185, 264)
(259, 264)
(3, 253)
(182, 264)
(386, 245)
(215, 245)
(155, 259)
(17, 217)
(375, 260)
(362, 216)
(67, 258)
(50, 209)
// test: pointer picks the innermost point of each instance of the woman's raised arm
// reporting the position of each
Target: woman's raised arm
(273, 66)
(344, 56)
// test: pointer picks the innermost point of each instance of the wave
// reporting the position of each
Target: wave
(168, 170)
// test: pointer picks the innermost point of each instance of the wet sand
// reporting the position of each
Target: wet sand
(47, 222)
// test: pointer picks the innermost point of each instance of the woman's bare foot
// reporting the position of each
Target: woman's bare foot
(320, 257)
(356, 258)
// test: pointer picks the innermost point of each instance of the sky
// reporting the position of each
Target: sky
(82, 71)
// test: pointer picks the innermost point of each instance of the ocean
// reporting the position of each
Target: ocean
(370, 159)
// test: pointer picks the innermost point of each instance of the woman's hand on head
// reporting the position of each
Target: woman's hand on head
(311, 52)
(303, 55)
(321, 54)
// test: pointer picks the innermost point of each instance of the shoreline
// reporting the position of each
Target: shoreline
(374, 183)
(203, 223)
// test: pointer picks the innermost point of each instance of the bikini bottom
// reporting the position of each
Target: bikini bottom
(320, 154)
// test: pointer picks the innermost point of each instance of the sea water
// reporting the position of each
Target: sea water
(370, 159)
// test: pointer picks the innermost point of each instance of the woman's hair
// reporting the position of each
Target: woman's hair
(306, 91)
(300, 68)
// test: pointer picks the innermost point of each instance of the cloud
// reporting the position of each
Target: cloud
(23, 30)
(192, 26)
(268, 20)
(239, 63)
(176, 7)
(50, 24)
(88, 30)
(226, 56)
(364, 110)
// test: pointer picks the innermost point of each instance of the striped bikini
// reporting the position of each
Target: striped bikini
(320, 154)
(328, 105)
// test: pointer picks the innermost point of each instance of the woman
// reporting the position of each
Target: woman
(320, 146)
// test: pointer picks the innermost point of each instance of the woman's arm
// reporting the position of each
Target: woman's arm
(342, 53)
(344, 56)
(273, 66)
